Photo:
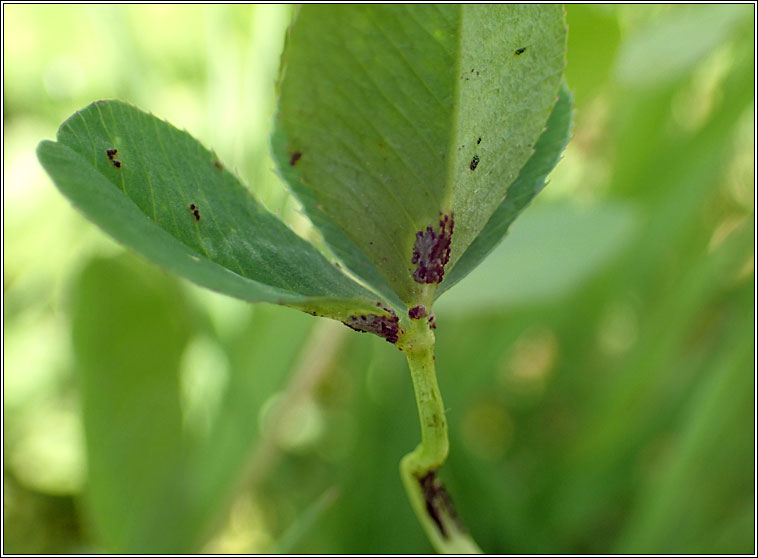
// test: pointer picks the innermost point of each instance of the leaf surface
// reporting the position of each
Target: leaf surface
(530, 182)
(160, 192)
(390, 116)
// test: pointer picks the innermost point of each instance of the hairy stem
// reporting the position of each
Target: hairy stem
(418, 469)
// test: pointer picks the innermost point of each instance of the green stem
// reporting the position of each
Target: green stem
(418, 469)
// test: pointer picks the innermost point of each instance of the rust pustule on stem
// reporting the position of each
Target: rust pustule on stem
(438, 502)
(417, 312)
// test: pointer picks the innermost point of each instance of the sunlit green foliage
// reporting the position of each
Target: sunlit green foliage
(598, 368)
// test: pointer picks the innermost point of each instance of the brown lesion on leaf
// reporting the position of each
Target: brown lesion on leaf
(474, 163)
(519, 51)
(438, 502)
(384, 326)
(295, 158)
(113, 157)
(431, 251)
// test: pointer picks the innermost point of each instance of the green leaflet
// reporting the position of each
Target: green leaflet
(390, 116)
(529, 183)
(160, 192)
(397, 126)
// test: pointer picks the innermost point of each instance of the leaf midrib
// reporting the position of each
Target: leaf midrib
(447, 197)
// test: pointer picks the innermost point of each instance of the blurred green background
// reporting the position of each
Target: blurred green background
(597, 369)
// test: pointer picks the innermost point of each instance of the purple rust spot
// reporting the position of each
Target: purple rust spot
(438, 502)
(195, 211)
(383, 326)
(417, 312)
(431, 251)
(295, 158)
(432, 321)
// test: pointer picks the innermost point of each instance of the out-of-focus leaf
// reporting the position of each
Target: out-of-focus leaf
(305, 522)
(261, 359)
(390, 116)
(592, 44)
(129, 331)
(551, 250)
(709, 448)
(529, 183)
(710, 453)
(161, 193)
(660, 53)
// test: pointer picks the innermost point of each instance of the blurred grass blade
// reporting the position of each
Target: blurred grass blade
(263, 355)
(129, 331)
(709, 451)
(392, 115)
(305, 522)
(529, 183)
(160, 192)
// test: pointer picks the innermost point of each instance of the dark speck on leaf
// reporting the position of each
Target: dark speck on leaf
(295, 158)
(218, 165)
(113, 158)
(195, 211)
(520, 51)
(478, 141)
(474, 162)
(431, 251)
